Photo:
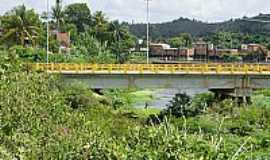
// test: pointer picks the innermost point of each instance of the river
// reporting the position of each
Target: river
(162, 97)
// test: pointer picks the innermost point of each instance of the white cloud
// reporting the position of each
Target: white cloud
(161, 10)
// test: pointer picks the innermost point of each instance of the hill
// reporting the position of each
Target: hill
(199, 28)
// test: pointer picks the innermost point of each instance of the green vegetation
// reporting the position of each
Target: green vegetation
(91, 38)
(184, 40)
(20, 25)
(203, 29)
(141, 96)
(41, 118)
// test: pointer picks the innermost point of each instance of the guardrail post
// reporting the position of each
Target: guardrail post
(141, 69)
(36, 67)
(60, 67)
(81, 67)
(232, 69)
(246, 69)
(125, 68)
(76, 68)
(94, 68)
(110, 68)
(172, 69)
(187, 69)
(202, 69)
(218, 69)
(259, 68)
(206, 68)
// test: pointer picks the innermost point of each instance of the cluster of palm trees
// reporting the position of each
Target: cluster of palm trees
(22, 26)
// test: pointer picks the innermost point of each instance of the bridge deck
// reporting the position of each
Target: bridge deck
(240, 78)
(192, 69)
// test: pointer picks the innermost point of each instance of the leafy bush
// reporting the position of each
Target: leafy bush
(184, 105)
(29, 54)
(180, 105)
(224, 107)
(119, 98)
(201, 102)
(79, 95)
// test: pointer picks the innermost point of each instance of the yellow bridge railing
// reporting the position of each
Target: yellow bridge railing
(152, 68)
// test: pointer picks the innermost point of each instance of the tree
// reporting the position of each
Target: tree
(21, 25)
(187, 39)
(223, 40)
(99, 19)
(120, 40)
(85, 41)
(180, 105)
(100, 27)
(183, 105)
(78, 14)
(58, 14)
(183, 40)
(117, 30)
(176, 42)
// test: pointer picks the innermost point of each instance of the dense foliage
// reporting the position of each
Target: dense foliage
(41, 118)
(20, 26)
(201, 29)
(90, 37)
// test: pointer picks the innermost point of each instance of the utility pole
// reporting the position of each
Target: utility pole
(48, 34)
(147, 29)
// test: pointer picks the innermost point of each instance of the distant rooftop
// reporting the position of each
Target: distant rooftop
(164, 45)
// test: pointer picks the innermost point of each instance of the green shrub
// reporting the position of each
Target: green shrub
(180, 106)
(119, 98)
(201, 102)
(79, 95)
(184, 105)
(224, 107)
(28, 53)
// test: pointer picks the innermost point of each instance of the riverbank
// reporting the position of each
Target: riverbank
(41, 118)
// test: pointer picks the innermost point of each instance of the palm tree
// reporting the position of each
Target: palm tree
(100, 26)
(118, 36)
(118, 31)
(99, 19)
(58, 13)
(20, 25)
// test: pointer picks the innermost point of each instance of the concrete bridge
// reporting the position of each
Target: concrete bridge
(230, 79)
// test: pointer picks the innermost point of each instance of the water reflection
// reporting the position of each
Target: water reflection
(161, 97)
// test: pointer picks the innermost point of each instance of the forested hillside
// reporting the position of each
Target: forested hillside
(199, 28)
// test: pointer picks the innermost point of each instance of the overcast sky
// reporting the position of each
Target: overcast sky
(161, 10)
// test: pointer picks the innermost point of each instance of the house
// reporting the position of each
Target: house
(255, 52)
(158, 49)
(64, 39)
(221, 52)
(253, 47)
(165, 52)
(201, 49)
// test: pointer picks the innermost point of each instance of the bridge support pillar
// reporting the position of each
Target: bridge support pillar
(241, 92)
(241, 95)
